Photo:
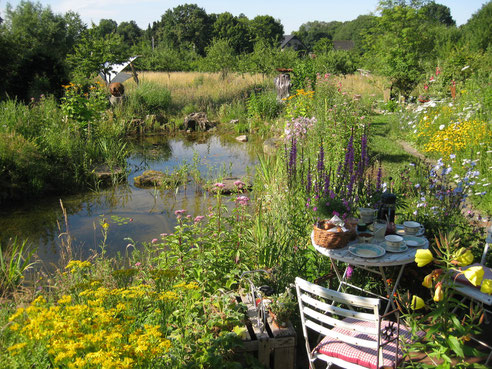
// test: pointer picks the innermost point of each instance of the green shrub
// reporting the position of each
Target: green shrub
(22, 165)
(263, 105)
(149, 98)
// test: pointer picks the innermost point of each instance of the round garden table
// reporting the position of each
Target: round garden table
(374, 265)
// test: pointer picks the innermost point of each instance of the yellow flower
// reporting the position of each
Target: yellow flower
(486, 286)
(16, 314)
(423, 257)
(17, 346)
(474, 274)
(438, 294)
(417, 303)
(66, 299)
(464, 257)
(105, 226)
(427, 281)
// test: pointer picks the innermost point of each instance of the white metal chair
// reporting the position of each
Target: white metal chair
(474, 294)
(354, 336)
(470, 291)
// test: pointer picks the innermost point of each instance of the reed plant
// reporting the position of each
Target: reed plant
(51, 146)
(16, 258)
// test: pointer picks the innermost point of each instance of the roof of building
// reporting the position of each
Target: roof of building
(287, 39)
(343, 45)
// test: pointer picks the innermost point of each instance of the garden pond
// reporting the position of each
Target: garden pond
(142, 214)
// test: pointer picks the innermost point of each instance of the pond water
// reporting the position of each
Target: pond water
(131, 212)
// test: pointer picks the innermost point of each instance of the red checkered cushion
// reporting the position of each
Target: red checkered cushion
(361, 355)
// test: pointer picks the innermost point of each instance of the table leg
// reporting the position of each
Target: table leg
(341, 278)
(391, 292)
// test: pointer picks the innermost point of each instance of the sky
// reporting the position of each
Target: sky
(292, 14)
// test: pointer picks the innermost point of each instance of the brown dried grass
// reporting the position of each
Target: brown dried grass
(374, 86)
(201, 89)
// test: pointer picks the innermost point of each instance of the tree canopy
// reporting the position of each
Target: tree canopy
(38, 41)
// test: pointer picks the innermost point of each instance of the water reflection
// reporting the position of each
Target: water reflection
(141, 214)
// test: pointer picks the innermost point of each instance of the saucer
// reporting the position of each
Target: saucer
(402, 248)
(400, 230)
(367, 250)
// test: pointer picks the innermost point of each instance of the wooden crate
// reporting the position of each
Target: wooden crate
(275, 347)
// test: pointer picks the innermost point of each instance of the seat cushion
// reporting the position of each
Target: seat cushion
(361, 355)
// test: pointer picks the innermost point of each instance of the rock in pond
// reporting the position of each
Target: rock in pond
(271, 145)
(231, 185)
(242, 138)
(104, 174)
(153, 178)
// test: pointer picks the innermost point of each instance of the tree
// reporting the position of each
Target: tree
(399, 43)
(92, 52)
(38, 42)
(311, 32)
(105, 27)
(355, 30)
(130, 32)
(267, 29)
(323, 45)
(478, 29)
(220, 57)
(234, 30)
(186, 26)
(437, 13)
(261, 60)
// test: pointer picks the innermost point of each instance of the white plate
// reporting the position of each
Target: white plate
(402, 248)
(419, 240)
(367, 250)
(400, 230)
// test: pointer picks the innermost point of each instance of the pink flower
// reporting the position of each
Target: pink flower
(199, 218)
(188, 216)
(432, 79)
(154, 240)
(179, 212)
(349, 271)
(239, 184)
(438, 71)
(163, 234)
(138, 264)
(426, 87)
(242, 200)
(219, 185)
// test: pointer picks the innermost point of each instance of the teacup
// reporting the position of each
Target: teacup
(411, 227)
(393, 241)
(367, 215)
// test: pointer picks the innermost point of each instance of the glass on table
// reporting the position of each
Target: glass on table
(379, 230)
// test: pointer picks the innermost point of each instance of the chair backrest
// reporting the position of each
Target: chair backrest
(319, 313)
(488, 242)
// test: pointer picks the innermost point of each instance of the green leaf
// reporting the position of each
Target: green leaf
(455, 345)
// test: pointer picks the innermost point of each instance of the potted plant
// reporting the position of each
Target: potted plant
(282, 307)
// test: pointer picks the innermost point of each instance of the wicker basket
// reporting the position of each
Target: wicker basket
(331, 240)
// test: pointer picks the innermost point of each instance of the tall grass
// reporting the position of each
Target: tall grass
(367, 86)
(15, 259)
